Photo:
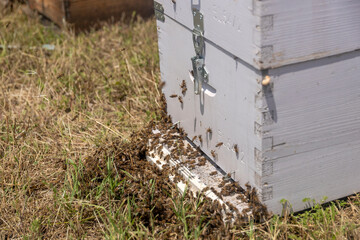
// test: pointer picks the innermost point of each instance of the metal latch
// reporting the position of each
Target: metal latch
(198, 32)
(200, 72)
(159, 11)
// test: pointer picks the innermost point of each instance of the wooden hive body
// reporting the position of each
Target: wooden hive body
(297, 137)
(86, 13)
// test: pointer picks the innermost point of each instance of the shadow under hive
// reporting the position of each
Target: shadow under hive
(272, 91)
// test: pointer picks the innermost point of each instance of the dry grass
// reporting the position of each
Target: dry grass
(59, 107)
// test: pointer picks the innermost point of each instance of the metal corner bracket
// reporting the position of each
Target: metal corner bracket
(159, 11)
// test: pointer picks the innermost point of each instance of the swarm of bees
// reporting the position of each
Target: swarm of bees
(228, 189)
(172, 137)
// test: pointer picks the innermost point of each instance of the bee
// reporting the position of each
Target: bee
(246, 210)
(194, 138)
(156, 141)
(157, 135)
(167, 158)
(176, 179)
(213, 153)
(188, 147)
(236, 149)
(180, 100)
(182, 132)
(183, 87)
(158, 162)
(200, 139)
(232, 207)
(209, 130)
(173, 95)
(170, 144)
(184, 90)
(222, 184)
(213, 173)
(202, 162)
(183, 84)
(161, 85)
(219, 144)
(192, 162)
(205, 189)
(241, 197)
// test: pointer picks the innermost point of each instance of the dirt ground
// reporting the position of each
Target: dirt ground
(74, 126)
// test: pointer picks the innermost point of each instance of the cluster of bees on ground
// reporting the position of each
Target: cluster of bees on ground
(168, 135)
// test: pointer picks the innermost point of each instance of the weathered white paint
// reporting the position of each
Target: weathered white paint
(273, 33)
(297, 137)
(230, 109)
(315, 134)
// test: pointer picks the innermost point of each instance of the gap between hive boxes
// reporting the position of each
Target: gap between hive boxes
(202, 178)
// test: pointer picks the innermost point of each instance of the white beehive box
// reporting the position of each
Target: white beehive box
(296, 137)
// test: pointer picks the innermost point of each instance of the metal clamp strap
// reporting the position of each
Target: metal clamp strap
(199, 70)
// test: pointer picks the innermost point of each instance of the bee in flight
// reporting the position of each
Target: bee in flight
(219, 144)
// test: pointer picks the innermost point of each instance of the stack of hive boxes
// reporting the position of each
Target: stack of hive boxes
(273, 89)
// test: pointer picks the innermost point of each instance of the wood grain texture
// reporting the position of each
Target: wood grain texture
(226, 104)
(85, 13)
(229, 24)
(270, 34)
(315, 138)
(52, 9)
(304, 30)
